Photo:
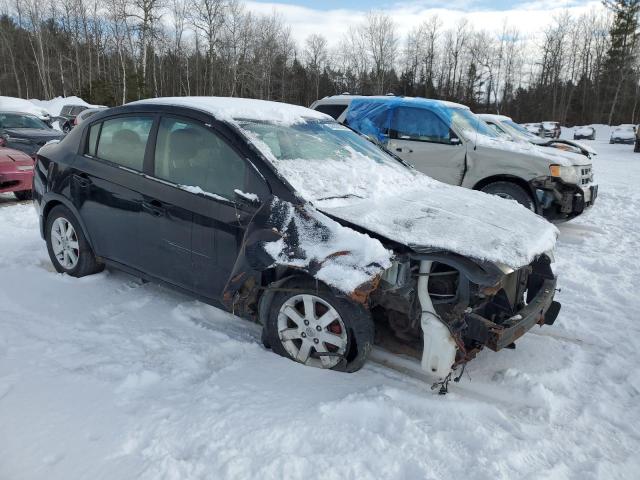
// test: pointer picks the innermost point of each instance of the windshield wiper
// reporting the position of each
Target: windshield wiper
(347, 195)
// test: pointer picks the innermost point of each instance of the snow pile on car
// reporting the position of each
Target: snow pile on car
(12, 104)
(54, 106)
(231, 109)
(336, 255)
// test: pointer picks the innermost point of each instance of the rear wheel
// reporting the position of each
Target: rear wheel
(68, 248)
(511, 191)
(310, 325)
(23, 195)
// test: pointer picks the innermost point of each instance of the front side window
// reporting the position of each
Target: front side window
(190, 154)
(419, 125)
(123, 140)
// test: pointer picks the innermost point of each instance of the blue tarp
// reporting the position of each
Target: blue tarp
(372, 116)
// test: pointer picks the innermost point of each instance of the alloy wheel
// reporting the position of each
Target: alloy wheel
(311, 331)
(64, 242)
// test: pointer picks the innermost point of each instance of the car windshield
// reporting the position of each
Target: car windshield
(464, 120)
(18, 120)
(326, 160)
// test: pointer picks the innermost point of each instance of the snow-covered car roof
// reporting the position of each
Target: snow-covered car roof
(232, 108)
(494, 117)
(345, 99)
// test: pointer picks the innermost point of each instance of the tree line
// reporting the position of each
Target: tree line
(580, 69)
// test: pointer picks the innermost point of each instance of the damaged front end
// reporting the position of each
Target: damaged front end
(479, 304)
(439, 307)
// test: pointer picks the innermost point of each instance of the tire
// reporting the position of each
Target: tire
(66, 128)
(512, 191)
(636, 148)
(62, 251)
(348, 337)
(23, 195)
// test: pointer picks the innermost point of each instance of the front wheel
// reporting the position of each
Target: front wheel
(309, 324)
(68, 248)
(511, 191)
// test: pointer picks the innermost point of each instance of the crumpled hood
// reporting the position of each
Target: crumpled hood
(454, 219)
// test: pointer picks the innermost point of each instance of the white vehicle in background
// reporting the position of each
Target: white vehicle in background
(20, 105)
(510, 130)
(584, 133)
(448, 142)
(623, 134)
(534, 128)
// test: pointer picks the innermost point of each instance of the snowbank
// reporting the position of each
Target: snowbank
(12, 104)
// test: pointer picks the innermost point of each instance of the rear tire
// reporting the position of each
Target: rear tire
(23, 195)
(511, 191)
(68, 248)
(310, 320)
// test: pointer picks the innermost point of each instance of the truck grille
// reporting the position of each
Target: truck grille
(585, 175)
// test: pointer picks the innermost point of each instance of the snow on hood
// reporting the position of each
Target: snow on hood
(552, 155)
(408, 207)
(231, 108)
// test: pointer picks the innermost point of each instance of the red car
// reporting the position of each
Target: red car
(16, 173)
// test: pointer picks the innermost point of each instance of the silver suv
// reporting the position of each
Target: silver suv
(448, 142)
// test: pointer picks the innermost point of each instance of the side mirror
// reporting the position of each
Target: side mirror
(454, 141)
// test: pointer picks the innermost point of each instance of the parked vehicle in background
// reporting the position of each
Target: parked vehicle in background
(551, 129)
(85, 114)
(67, 116)
(623, 134)
(298, 223)
(584, 133)
(506, 127)
(20, 105)
(25, 132)
(449, 143)
(16, 173)
(534, 128)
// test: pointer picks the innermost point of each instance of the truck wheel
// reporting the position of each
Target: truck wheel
(512, 191)
(68, 248)
(309, 324)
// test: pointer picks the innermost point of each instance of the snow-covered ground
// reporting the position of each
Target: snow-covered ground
(109, 378)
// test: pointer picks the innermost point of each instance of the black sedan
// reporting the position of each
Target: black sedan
(25, 132)
(274, 212)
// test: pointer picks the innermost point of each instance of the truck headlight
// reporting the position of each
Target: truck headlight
(567, 174)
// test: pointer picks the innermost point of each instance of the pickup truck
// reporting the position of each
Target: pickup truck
(448, 142)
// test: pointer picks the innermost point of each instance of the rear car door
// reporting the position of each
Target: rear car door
(105, 185)
(200, 177)
(420, 137)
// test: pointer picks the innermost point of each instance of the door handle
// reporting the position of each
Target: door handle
(154, 207)
(82, 179)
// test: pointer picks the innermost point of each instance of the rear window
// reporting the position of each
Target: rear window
(334, 110)
(121, 140)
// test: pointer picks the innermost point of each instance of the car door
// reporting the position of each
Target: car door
(420, 137)
(200, 179)
(105, 185)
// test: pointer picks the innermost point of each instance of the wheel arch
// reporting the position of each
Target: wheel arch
(53, 201)
(512, 179)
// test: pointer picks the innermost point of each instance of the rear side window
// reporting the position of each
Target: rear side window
(94, 131)
(334, 110)
(77, 110)
(419, 125)
(190, 154)
(122, 140)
